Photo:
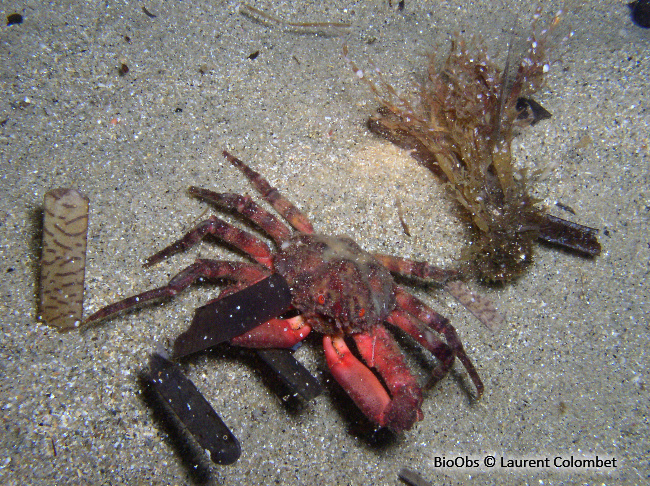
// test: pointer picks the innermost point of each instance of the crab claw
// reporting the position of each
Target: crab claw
(365, 389)
(276, 333)
(357, 380)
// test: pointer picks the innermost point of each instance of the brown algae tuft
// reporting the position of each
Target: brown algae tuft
(460, 122)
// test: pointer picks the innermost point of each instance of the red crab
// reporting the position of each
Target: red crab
(339, 289)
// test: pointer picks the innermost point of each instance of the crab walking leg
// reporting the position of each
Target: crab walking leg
(416, 269)
(441, 325)
(276, 333)
(246, 242)
(379, 351)
(426, 338)
(357, 380)
(270, 194)
(245, 206)
(211, 269)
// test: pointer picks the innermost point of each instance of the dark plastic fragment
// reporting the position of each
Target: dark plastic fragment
(640, 12)
(194, 411)
(228, 317)
(573, 236)
(14, 19)
(531, 111)
(293, 374)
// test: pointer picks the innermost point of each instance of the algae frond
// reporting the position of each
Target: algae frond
(460, 122)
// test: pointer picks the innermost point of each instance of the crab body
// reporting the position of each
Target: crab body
(336, 284)
(338, 289)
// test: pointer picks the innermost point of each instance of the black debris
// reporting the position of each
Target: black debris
(640, 10)
(573, 236)
(228, 317)
(564, 207)
(14, 19)
(293, 374)
(531, 110)
(147, 13)
(193, 410)
(412, 478)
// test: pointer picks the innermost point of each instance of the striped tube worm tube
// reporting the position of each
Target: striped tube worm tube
(63, 262)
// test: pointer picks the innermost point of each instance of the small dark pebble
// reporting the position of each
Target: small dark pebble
(640, 12)
(123, 69)
(14, 18)
(254, 55)
(412, 478)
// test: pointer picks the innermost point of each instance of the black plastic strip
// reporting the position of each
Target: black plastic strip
(228, 317)
(193, 410)
(573, 236)
(293, 374)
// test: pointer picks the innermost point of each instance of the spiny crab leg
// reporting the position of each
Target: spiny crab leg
(240, 239)
(211, 269)
(245, 206)
(422, 270)
(421, 311)
(270, 194)
(416, 329)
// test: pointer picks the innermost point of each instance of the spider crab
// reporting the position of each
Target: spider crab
(339, 290)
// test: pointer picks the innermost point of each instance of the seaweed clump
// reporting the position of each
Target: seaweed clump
(461, 123)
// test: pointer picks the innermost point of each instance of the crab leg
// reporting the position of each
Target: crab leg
(245, 206)
(357, 380)
(211, 269)
(379, 351)
(240, 239)
(416, 269)
(426, 338)
(270, 194)
(421, 311)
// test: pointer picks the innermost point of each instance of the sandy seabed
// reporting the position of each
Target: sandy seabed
(565, 377)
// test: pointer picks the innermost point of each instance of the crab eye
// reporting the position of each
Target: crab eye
(321, 299)
(362, 312)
